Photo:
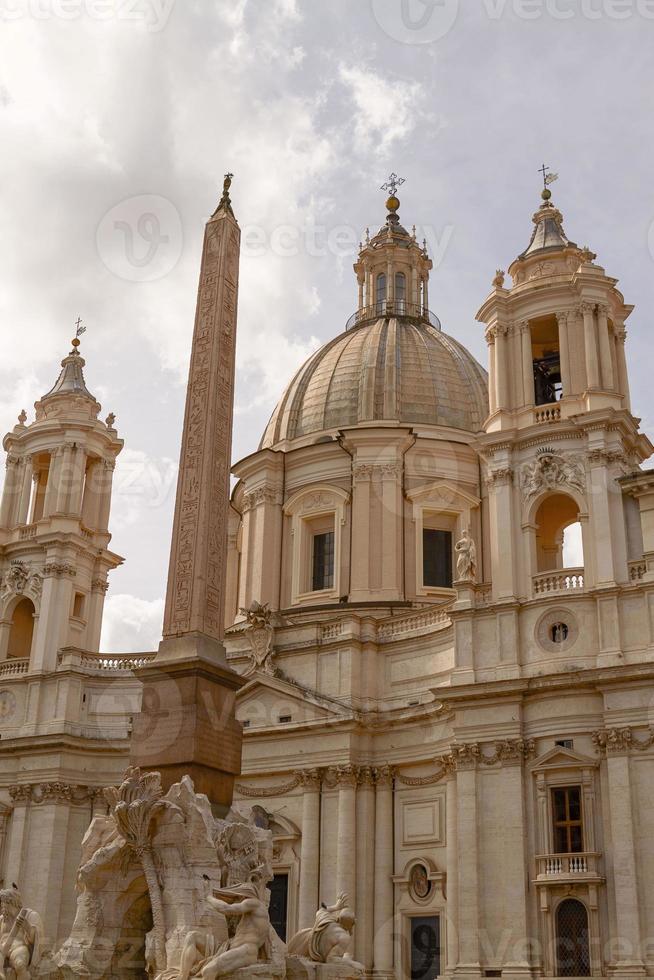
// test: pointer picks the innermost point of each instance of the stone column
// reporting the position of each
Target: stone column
(468, 860)
(52, 488)
(365, 819)
(500, 501)
(564, 353)
(590, 344)
(25, 491)
(10, 491)
(346, 832)
(360, 284)
(492, 370)
(384, 918)
(625, 869)
(99, 588)
(605, 347)
(21, 796)
(51, 629)
(360, 557)
(425, 294)
(515, 863)
(65, 477)
(502, 366)
(451, 819)
(391, 530)
(187, 724)
(78, 473)
(262, 508)
(623, 374)
(527, 364)
(309, 898)
(46, 860)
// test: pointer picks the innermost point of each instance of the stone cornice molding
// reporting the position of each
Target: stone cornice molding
(621, 741)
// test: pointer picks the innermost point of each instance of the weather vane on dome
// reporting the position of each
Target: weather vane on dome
(548, 178)
(392, 184)
(79, 330)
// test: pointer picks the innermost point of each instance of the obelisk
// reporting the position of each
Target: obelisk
(187, 723)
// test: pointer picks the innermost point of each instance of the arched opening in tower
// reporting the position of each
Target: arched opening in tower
(558, 534)
(546, 359)
(22, 630)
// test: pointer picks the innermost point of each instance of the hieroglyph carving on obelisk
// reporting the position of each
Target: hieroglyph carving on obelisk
(196, 578)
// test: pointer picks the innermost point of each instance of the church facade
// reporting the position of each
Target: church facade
(446, 707)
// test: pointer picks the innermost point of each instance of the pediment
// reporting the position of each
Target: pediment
(264, 700)
(444, 494)
(562, 758)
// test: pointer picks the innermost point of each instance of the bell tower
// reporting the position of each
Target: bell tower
(560, 433)
(54, 519)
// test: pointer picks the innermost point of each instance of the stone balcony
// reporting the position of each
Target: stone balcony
(557, 581)
(563, 868)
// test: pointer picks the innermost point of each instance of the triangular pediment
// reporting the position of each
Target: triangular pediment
(265, 700)
(561, 758)
(444, 494)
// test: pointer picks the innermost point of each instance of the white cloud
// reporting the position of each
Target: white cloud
(131, 625)
(387, 109)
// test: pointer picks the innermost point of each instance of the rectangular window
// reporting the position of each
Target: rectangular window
(425, 947)
(323, 561)
(567, 819)
(437, 558)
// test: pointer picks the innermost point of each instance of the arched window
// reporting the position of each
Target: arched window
(22, 630)
(572, 948)
(400, 292)
(558, 534)
(381, 292)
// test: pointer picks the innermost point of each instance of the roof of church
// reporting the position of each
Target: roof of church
(390, 369)
(71, 378)
(548, 231)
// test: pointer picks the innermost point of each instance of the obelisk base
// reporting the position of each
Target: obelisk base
(187, 724)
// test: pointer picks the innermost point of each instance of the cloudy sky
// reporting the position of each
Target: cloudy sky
(119, 117)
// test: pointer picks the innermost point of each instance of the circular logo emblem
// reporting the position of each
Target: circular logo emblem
(415, 21)
(140, 239)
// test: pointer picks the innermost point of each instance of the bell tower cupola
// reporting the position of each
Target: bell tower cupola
(556, 333)
(393, 268)
(54, 522)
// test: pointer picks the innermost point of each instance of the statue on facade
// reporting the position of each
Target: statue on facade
(21, 937)
(466, 562)
(260, 634)
(550, 471)
(330, 938)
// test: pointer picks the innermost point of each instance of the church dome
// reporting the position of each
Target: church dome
(388, 369)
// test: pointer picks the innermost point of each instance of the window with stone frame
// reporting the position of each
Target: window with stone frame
(567, 820)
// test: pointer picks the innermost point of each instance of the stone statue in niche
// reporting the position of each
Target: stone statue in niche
(466, 562)
(260, 634)
(329, 940)
(21, 937)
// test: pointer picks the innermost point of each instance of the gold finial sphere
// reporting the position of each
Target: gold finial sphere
(546, 194)
(393, 203)
(75, 342)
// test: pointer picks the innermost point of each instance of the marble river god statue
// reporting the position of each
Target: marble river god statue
(329, 939)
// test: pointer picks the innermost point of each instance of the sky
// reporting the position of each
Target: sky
(118, 119)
